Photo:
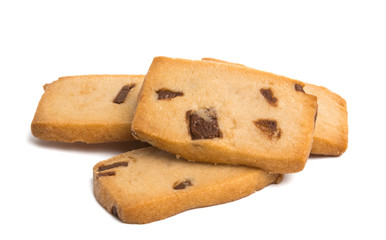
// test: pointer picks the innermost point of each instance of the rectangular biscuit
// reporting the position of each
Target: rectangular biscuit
(211, 112)
(89, 108)
(147, 185)
(331, 129)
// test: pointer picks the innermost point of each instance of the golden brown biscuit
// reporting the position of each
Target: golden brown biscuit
(147, 185)
(331, 129)
(212, 112)
(90, 109)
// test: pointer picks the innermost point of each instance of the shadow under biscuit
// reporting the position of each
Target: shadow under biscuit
(320, 156)
(115, 148)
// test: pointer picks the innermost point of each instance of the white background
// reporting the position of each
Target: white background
(46, 188)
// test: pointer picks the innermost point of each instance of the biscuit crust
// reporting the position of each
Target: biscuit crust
(331, 129)
(147, 185)
(231, 96)
(82, 109)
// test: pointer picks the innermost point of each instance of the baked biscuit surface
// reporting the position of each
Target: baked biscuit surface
(226, 114)
(148, 184)
(331, 128)
(90, 108)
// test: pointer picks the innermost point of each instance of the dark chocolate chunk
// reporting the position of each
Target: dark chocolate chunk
(105, 174)
(268, 95)
(167, 94)
(182, 185)
(114, 212)
(113, 165)
(121, 97)
(202, 124)
(299, 88)
(269, 128)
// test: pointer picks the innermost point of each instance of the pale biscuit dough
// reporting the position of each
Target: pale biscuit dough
(82, 109)
(147, 185)
(256, 118)
(331, 129)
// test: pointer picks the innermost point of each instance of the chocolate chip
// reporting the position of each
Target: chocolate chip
(269, 128)
(113, 165)
(105, 174)
(114, 212)
(299, 88)
(202, 124)
(168, 94)
(268, 95)
(121, 97)
(182, 185)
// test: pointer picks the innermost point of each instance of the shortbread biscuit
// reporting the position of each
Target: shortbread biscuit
(331, 129)
(147, 185)
(222, 113)
(90, 109)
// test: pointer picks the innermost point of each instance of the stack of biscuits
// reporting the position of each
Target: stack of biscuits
(217, 132)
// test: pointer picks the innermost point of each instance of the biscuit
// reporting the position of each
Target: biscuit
(331, 129)
(147, 185)
(221, 113)
(90, 109)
